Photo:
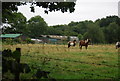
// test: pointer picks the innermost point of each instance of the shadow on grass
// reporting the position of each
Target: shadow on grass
(11, 63)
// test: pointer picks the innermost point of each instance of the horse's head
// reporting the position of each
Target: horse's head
(88, 40)
(74, 41)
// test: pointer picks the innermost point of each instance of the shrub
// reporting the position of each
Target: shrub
(28, 40)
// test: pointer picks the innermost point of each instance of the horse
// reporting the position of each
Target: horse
(117, 45)
(84, 43)
(71, 43)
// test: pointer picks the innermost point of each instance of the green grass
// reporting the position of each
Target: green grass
(97, 62)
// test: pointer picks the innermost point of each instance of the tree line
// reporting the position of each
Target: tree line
(104, 30)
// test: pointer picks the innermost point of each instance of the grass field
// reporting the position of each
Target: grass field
(97, 62)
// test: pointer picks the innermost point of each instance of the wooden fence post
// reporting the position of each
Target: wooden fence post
(18, 50)
(17, 73)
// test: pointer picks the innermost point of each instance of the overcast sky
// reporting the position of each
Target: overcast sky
(84, 10)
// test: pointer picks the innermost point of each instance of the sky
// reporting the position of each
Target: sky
(84, 10)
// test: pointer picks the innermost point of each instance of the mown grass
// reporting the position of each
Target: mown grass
(97, 62)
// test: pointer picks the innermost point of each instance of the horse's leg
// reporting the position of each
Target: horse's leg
(81, 47)
(116, 47)
(68, 45)
(86, 46)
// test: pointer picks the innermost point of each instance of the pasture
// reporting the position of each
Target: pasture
(97, 62)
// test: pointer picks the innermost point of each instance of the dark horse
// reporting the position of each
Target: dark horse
(71, 43)
(84, 43)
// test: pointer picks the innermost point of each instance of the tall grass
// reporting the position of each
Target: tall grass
(97, 62)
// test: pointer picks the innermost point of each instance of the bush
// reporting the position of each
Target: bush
(17, 41)
(8, 41)
(28, 40)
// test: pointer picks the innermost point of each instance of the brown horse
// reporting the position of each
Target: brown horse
(71, 43)
(84, 43)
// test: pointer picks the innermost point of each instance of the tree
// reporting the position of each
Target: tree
(104, 22)
(10, 7)
(36, 26)
(79, 27)
(111, 28)
(94, 33)
(17, 24)
(112, 33)
(61, 30)
(80, 36)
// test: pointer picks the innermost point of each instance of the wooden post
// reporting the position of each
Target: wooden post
(17, 73)
(18, 50)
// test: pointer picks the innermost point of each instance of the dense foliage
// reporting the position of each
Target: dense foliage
(10, 7)
(104, 30)
(36, 26)
(17, 24)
